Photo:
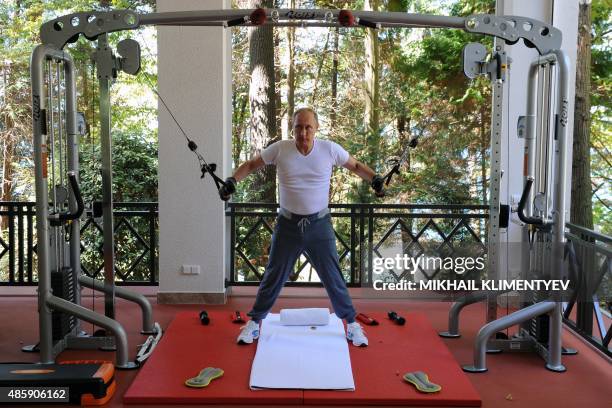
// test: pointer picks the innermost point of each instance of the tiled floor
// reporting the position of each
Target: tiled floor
(513, 380)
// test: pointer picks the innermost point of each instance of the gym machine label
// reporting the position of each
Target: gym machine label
(564, 109)
(45, 157)
(33, 394)
(300, 14)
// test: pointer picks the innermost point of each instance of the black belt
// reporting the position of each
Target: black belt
(291, 216)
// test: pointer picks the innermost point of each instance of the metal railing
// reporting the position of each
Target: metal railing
(136, 232)
(17, 240)
(363, 232)
(591, 265)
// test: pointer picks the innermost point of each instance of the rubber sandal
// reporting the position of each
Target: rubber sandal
(204, 378)
(420, 380)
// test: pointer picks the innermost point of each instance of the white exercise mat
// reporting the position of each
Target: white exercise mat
(302, 357)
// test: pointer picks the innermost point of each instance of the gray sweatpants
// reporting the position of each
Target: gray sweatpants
(291, 237)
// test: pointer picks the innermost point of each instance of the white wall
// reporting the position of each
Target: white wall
(565, 17)
(194, 66)
(563, 14)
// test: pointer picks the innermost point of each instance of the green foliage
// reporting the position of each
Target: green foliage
(422, 86)
(134, 106)
(134, 169)
(424, 94)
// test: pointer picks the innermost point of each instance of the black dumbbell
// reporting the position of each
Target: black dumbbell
(204, 319)
(397, 319)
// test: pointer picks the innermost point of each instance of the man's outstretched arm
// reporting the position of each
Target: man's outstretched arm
(241, 172)
(359, 169)
(366, 173)
(248, 167)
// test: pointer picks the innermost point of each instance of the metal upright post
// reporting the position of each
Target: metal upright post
(39, 130)
(72, 147)
(554, 343)
(529, 162)
(105, 77)
(543, 37)
(494, 189)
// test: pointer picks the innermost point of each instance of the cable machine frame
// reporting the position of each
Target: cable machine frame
(546, 39)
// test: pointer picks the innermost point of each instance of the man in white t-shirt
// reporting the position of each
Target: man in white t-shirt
(304, 167)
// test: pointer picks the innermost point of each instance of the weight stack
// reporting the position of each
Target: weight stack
(62, 284)
(539, 328)
(539, 325)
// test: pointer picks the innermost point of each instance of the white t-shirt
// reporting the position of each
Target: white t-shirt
(304, 180)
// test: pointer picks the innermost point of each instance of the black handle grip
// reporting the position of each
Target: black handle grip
(499, 65)
(236, 22)
(367, 23)
(521, 206)
(74, 185)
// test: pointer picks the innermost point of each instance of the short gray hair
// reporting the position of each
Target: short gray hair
(305, 109)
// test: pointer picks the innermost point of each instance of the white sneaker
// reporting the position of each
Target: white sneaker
(248, 333)
(355, 333)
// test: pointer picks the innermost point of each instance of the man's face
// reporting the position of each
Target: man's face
(304, 129)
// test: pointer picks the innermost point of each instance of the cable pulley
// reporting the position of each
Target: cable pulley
(205, 167)
(396, 163)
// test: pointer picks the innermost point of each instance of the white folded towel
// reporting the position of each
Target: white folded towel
(316, 316)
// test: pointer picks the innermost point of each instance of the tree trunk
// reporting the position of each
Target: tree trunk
(334, 81)
(313, 97)
(8, 157)
(262, 98)
(277, 80)
(237, 137)
(15, 116)
(581, 208)
(372, 88)
(291, 74)
(371, 117)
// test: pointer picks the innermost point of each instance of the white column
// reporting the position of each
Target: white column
(564, 16)
(194, 73)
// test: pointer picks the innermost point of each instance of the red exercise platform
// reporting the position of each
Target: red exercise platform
(187, 346)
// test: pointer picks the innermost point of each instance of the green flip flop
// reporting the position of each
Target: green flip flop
(204, 378)
(420, 380)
